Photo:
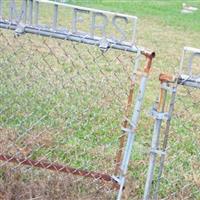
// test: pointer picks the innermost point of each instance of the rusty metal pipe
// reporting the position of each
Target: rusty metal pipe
(57, 167)
(149, 56)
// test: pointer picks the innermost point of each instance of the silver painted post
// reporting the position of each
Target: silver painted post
(166, 135)
(159, 117)
(186, 80)
(134, 122)
(11, 11)
(153, 155)
(131, 134)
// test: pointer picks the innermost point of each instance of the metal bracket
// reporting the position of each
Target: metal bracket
(104, 45)
(165, 87)
(194, 52)
(20, 29)
(157, 152)
(189, 81)
(127, 130)
(117, 179)
(159, 115)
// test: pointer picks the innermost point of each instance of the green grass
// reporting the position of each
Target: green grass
(167, 12)
(79, 96)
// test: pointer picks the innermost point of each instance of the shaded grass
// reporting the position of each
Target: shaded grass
(157, 30)
(166, 12)
(80, 101)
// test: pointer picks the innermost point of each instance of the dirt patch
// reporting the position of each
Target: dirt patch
(42, 185)
(13, 142)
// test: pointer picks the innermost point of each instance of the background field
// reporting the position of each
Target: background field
(162, 28)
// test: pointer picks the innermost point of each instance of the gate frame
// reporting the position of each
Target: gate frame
(122, 160)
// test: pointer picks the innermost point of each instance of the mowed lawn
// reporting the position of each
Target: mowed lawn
(163, 28)
(75, 111)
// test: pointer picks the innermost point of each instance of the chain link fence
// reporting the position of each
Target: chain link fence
(66, 106)
(61, 102)
(183, 148)
(65, 111)
(184, 154)
(173, 171)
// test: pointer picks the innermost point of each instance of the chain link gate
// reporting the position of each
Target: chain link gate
(186, 120)
(63, 94)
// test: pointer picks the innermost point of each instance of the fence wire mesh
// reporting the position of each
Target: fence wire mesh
(61, 102)
(179, 177)
(183, 151)
(184, 154)
(64, 102)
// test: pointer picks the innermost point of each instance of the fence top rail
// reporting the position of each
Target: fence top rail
(192, 49)
(193, 53)
(189, 81)
(21, 29)
(103, 28)
(185, 77)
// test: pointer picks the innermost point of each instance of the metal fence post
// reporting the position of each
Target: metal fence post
(159, 117)
(187, 80)
(134, 121)
(165, 141)
(58, 88)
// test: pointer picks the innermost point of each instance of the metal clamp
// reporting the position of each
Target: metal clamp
(170, 89)
(117, 179)
(156, 151)
(159, 115)
(104, 45)
(127, 130)
(20, 29)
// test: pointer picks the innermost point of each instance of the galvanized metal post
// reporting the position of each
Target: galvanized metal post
(118, 158)
(159, 116)
(186, 80)
(164, 146)
(134, 122)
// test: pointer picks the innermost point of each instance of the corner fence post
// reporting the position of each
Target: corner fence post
(159, 114)
(169, 84)
(134, 121)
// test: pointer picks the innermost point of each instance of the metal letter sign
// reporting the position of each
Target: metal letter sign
(105, 28)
